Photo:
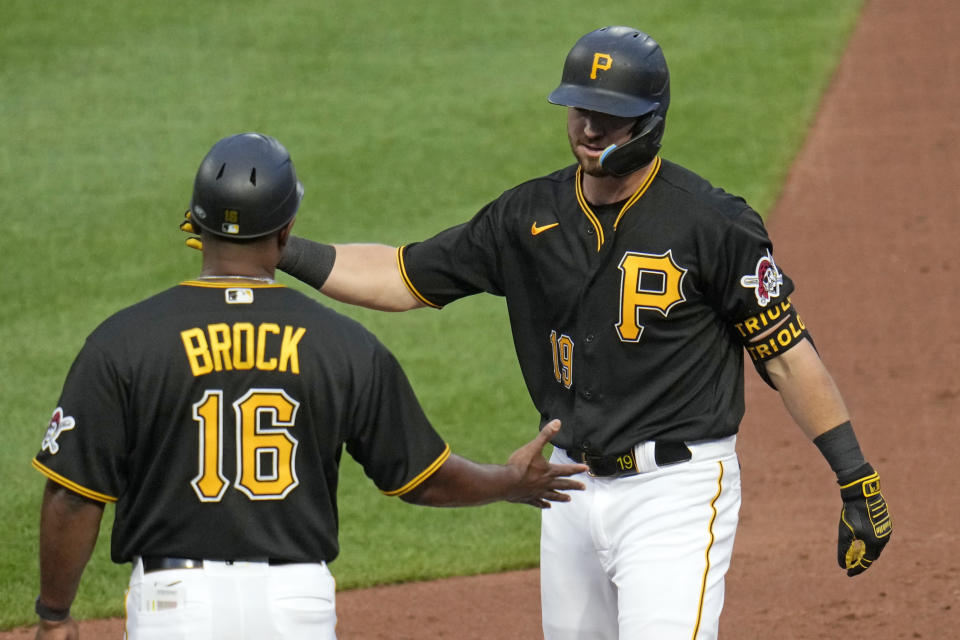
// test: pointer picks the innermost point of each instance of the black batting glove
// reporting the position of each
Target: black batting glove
(187, 226)
(865, 525)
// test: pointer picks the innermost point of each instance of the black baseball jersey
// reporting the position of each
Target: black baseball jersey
(215, 416)
(629, 320)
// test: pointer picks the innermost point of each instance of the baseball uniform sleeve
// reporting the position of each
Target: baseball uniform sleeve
(458, 262)
(393, 439)
(754, 294)
(747, 279)
(83, 446)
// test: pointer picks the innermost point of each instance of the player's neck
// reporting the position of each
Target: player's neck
(256, 259)
(228, 269)
(600, 190)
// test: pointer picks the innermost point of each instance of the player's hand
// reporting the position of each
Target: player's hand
(542, 482)
(865, 525)
(66, 630)
(187, 227)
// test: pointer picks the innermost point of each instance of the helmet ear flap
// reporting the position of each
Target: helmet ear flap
(621, 160)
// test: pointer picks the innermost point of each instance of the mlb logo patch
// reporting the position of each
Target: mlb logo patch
(238, 295)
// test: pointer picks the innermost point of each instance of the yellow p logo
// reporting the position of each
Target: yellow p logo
(601, 62)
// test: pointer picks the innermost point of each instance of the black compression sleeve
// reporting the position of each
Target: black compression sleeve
(308, 261)
(840, 448)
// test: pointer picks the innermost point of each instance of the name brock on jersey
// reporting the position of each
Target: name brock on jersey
(241, 345)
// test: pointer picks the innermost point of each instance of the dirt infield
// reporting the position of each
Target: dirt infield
(868, 227)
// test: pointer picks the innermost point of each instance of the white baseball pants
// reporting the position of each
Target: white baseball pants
(642, 557)
(236, 601)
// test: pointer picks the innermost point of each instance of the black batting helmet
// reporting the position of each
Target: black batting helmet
(246, 187)
(622, 72)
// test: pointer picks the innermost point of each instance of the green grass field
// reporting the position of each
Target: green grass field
(403, 118)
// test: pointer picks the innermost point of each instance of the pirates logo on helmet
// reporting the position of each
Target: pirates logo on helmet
(246, 187)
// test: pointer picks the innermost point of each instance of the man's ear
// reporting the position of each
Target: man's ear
(284, 234)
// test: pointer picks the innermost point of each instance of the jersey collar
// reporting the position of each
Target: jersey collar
(632, 200)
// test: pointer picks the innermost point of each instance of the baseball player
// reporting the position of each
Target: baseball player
(214, 415)
(633, 288)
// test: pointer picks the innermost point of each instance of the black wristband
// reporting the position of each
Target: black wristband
(308, 261)
(50, 615)
(840, 448)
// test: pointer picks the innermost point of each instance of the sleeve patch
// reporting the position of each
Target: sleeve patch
(765, 281)
(58, 424)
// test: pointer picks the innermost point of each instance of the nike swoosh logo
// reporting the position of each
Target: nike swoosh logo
(535, 230)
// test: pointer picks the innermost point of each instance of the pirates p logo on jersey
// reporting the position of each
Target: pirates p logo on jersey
(652, 282)
(765, 281)
(58, 424)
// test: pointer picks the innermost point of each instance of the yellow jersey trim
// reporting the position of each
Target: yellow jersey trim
(423, 475)
(587, 211)
(240, 284)
(69, 484)
(406, 280)
(632, 200)
(640, 190)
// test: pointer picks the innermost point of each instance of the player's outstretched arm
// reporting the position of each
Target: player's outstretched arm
(362, 274)
(367, 275)
(527, 477)
(69, 524)
(814, 402)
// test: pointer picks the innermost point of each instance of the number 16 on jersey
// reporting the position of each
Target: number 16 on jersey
(266, 451)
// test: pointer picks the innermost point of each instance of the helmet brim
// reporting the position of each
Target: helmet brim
(603, 101)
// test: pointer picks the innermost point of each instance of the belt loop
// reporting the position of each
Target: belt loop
(645, 455)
